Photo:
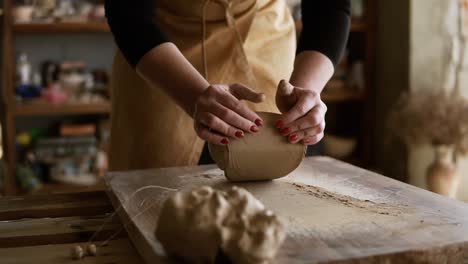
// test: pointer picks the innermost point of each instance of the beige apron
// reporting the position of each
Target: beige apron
(245, 41)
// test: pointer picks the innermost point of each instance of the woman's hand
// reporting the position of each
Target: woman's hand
(303, 114)
(220, 115)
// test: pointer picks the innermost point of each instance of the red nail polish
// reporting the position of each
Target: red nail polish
(279, 124)
(285, 131)
(239, 134)
(293, 138)
(224, 141)
(259, 122)
(307, 141)
(254, 129)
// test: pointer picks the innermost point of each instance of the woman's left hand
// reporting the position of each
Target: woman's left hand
(303, 110)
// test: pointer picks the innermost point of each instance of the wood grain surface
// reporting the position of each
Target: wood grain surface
(82, 204)
(117, 252)
(43, 229)
(31, 232)
(334, 213)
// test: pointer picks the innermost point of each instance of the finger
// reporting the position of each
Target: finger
(215, 123)
(311, 119)
(313, 139)
(232, 118)
(301, 108)
(309, 133)
(242, 92)
(204, 133)
(232, 103)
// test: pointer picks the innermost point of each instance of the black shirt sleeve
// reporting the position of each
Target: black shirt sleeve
(133, 24)
(326, 25)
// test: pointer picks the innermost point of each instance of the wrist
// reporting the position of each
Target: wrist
(193, 100)
(312, 70)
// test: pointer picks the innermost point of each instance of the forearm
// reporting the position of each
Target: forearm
(165, 67)
(322, 42)
(312, 70)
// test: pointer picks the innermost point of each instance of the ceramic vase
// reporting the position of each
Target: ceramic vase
(442, 176)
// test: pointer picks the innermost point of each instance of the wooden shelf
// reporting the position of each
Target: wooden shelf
(336, 97)
(44, 108)
(63, 27)
(54, 188)
(357, 25)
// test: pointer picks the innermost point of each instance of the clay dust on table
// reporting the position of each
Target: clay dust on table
(348, 201)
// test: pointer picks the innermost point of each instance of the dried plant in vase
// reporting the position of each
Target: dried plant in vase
(441, 120)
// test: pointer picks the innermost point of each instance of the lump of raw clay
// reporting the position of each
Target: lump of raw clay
(189, 223)
(251, 233)
(265, 155)
(194, 225)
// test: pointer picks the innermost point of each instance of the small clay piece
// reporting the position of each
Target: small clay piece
(265, 155)
(91, 250)
(77, 252)
(234, 222)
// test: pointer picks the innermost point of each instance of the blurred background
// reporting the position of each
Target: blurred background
(396, 103)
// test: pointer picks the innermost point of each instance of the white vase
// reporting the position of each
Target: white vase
(442, 176)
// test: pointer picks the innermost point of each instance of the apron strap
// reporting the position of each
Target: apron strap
(231, 22)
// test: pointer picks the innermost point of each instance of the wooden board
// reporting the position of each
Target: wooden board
(116, 252)
(334, 213)
(37, 206)
(32, 232)
(56, 223)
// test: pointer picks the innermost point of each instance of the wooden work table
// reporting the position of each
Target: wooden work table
(43, 228)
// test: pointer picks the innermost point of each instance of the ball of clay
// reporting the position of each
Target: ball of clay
(91, 250)
(233, 221)
(265, 155)
(77, 252)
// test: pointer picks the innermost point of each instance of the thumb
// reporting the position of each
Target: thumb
(242, 92)
(285, 98)
(285, 88)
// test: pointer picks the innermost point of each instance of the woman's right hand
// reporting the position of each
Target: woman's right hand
(220, 115)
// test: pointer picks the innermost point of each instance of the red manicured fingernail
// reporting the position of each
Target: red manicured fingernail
(224, 141)
(239, 134)
(259, 122)
(285, 131)
(254, 128)
(307, 141)
(293, 138)
(279, 124)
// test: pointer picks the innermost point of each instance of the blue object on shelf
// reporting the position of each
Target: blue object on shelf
(28, 91)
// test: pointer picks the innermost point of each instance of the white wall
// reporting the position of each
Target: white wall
(429, 44)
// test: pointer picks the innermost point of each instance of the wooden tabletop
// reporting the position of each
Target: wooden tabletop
(333, 213)
(43, 229)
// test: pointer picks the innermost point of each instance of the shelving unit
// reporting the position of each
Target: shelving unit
(12, 110)
(90, 27)
(36, 109)
(332, 97)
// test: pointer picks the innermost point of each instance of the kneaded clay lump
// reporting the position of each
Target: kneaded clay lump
(194, 225)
